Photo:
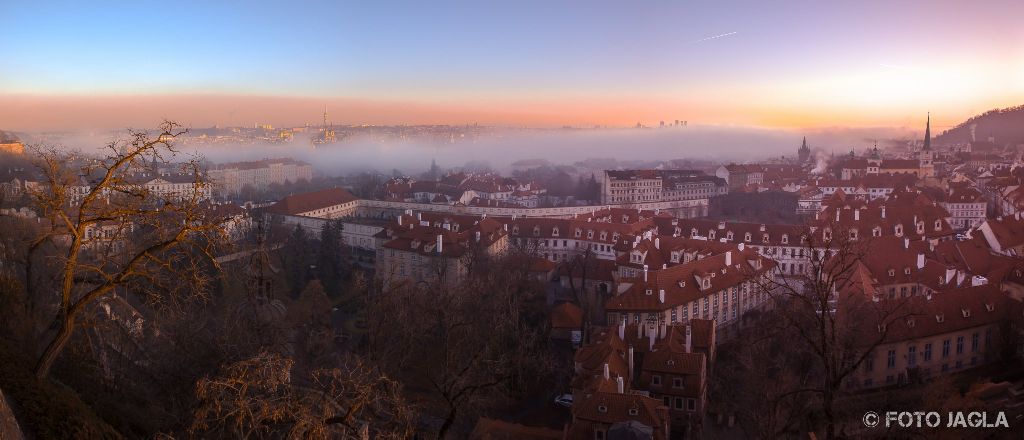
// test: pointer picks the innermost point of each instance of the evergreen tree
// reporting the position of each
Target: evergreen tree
(329, 258)
(297, 259)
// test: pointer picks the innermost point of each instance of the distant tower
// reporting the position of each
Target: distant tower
(804, 153)
(924, 158)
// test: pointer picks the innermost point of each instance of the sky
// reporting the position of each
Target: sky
(790, 64)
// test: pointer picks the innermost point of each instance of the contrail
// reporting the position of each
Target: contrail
(716, 36)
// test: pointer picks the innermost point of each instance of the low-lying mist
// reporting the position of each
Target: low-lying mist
(499, 147)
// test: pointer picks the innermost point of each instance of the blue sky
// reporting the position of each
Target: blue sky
(788, 56)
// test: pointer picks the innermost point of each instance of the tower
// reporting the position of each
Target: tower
(804, 153)
(924, 157)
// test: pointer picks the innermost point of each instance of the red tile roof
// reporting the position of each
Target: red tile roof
(311, 201)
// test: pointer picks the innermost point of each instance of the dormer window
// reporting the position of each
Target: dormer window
(853, 234)
(892, 272)
(881, 328)
(604, 235)
(990, 307)
(899, 230)
(910, 322)
(746, 237)
(649, 291)
(590, 234)
(906, 271)
(675, 257)
(785, 239)
(876, 232)
(711, 234)
(729, 236)
(602, 409)
(536, 231)
(682, 283)
(693, 232)
(579, 232)
(615, 236)
(515, 230)
(966, 312)
(764, 238)
(920, 228)
(554, 232)
(940, 318)
(633, 411)
(826, 234)
(707, 283)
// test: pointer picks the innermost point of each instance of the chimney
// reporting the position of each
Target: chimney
(620, 385)
(740, 246)
(622, 329)
(920, 260)
(645, 273)
(661, 295)
(506, 227)
(883, 211)
(419, 216)
(650, 341)
(856, 215)
(639, 331)
(906, 243)
(657, 243)
(663, 330)
(477, 235)
(440, 242)
(837, 214)
(689, 338)
(607, 375)
(630, 360)
(960, 277)
(728, 258)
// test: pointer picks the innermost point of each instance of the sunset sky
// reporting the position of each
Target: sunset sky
(755, 63)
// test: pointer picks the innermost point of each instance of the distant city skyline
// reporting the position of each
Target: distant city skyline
(749, 63)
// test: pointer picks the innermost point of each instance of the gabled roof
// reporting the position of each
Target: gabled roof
(306, 202)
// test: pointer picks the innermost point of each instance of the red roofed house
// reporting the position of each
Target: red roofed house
(943, 333)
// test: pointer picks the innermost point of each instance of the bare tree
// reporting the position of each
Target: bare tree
(466, 344)
(113, 231)
(261, 397)
(827, 309)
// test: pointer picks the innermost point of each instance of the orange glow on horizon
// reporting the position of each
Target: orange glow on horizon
(81, 112)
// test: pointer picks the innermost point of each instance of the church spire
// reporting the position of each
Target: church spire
(928, 133)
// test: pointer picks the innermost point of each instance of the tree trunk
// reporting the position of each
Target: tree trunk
(448, 422)
(830, 425)
(55, 347)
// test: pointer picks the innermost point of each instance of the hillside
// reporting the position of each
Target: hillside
(1006, 125)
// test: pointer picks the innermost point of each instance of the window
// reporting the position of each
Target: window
(911, 356)
(891, 359)
(869, 363)
(927, 352)
(656, 379)
(679, 403)
(677, 382)
(599, 434)
(945, 349)
(959, 345)
(691, 404)
(974, 343)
